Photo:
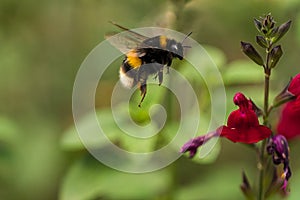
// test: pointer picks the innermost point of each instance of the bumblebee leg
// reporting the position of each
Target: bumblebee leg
(142, 82)
(159, 69)
(160, 75)
(168, 66)
(143, 89)
(168, 69)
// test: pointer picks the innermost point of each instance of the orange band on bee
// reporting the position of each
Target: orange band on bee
(163, 41)
(133, 59)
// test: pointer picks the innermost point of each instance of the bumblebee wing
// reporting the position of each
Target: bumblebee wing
(123, 41)
(127, 40)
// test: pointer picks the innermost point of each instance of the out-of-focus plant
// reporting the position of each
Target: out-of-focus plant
(243, 125)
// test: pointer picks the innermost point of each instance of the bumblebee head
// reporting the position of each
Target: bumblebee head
(176, 49)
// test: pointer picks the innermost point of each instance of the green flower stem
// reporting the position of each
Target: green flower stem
(262, 172)
(266, 96)
(262, 159)
(270, 109)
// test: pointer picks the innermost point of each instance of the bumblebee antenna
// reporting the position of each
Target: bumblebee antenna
(126, 29)
(190, 33)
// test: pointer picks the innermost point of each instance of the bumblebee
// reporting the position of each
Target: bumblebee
(145, 56)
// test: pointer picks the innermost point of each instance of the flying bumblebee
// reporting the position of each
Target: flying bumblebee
(145, 56)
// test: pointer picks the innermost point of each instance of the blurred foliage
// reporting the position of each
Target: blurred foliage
(43, 43)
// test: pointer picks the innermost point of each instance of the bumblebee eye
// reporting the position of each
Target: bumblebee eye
(174, 47)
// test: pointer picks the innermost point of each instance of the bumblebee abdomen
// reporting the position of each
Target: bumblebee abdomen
(127, 75)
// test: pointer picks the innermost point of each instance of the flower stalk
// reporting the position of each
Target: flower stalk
(262, 159)
(243, 125)
(269, 35)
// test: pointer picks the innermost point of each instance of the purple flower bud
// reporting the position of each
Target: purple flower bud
(192, 146)
(279, 149)
(195, 143)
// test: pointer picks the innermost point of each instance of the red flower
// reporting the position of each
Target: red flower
(242, 126)
(294, 87)
(289, 122)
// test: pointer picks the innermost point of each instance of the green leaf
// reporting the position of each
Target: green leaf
(120, 132)
(188, 71)
(83, 180)
(8, 130)
(72, 141)
(216, 54)
(9, 139)
(242, 72)
(224, 180)
(155, 93)
(88, 179)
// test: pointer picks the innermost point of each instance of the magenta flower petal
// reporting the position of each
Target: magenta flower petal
(294, 87)
(288, 124)
(248, 136)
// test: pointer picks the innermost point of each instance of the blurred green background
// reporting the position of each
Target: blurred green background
(43, 43)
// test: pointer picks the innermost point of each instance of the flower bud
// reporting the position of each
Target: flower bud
(274, 56)
(258, 24)
(279, 149)
(268, 24)
(282, 30)
(273, 34)
(261, 41)
(246, 188)
(250, 51)
(268, 21)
